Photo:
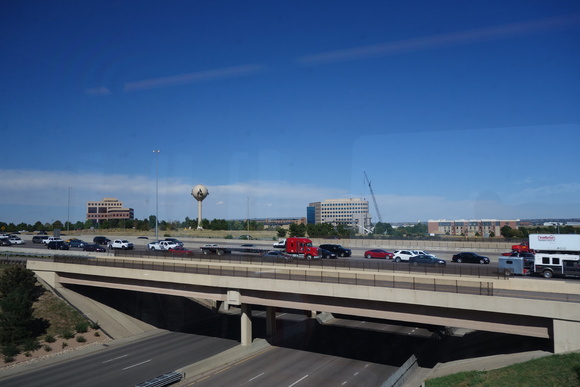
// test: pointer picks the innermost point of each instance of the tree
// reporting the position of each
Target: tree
(17, 295)
(297, 230)
(281, 232)
(506, 231)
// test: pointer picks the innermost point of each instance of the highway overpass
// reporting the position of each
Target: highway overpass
(536, 308)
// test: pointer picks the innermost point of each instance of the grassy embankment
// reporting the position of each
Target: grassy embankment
(556, 371)
(61, 319)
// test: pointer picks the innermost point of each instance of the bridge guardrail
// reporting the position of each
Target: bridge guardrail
(288, 271)
(474, 270)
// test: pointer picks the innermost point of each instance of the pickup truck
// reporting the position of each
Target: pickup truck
(162, 245)
(122, 244)
(51, 239)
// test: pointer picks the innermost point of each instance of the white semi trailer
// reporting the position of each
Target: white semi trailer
(556, 254)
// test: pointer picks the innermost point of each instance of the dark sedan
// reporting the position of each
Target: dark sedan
(76, 243)
(94, 247)
(57, 245)
(424, 259)
(470, 258)
(378, 253)
(326, 254)
(276, 255)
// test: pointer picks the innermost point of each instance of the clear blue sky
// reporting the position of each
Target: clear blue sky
(454, 109)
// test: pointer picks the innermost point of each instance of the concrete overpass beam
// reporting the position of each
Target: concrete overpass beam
(246, 336)
(270, 321)
(566, 336)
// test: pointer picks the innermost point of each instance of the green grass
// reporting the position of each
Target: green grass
(555, 370)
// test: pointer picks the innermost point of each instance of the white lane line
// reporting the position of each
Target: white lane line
(256, 377)
(138, 364)
(116, 358)
(298, 381)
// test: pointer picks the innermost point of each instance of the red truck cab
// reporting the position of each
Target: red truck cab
(301, 246)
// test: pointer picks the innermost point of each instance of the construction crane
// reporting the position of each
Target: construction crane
(373, 195)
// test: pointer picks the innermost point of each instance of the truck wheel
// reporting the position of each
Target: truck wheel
(547, 274)
(220, 252)
(151, 248)
(309, 257)
(205, 252)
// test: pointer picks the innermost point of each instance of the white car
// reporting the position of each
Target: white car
(280, 244)
(16, 241)
(404, 255)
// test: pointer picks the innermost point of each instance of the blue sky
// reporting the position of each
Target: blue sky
(453, 109)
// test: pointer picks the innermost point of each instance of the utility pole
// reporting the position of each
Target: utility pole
(156, 194)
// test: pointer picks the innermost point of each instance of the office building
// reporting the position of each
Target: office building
(352, 213)
(472, 227)
(108, 208)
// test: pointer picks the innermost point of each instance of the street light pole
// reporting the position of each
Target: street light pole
(68, 212)
(156, 194)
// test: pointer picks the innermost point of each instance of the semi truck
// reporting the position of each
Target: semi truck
(301, 248)
(556, 254)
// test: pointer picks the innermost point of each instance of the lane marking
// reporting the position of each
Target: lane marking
(256, 377)
(116, 358)
(138, 364)
(298, 381)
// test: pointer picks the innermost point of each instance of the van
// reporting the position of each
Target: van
(101, 240)
(39, 238)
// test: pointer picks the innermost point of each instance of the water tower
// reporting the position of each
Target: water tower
(199, 192)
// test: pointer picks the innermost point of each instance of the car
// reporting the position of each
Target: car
(210, 245)
(274, 254)
(468, 257)
(142, 237)
(5, 242)
(16, 240)
(174, 240)
(39, 238)
(178, 250)
(94, 247)
(57, 245)
(246, 237)
(76, 243)
(326, 254)
(337, 249)
(101, 240)
(404, 255)
(280, 244)
(250, 248)
(426, 259)
(378, 253)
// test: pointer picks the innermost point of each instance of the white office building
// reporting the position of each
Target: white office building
(348, 212)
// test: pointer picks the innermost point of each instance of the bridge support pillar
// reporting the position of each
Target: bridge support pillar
(566, 336)
(270, 321)
(246, 336)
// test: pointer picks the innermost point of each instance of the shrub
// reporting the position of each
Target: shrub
(10, 350)
(81, 339)
(47, 348)
(82, 327)
(94, 325)
(97, 334)
(67, 334)
(27, 354)
(31, 345)
(8, 359)
(49, 338)
(64, 344)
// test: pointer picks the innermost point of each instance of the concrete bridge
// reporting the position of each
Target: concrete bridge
(512, 306)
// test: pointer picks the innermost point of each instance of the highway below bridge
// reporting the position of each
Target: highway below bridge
(528, 307)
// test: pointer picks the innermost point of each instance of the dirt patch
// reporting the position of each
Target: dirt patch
(59, 347)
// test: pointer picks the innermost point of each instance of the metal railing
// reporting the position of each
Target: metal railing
(292, 272)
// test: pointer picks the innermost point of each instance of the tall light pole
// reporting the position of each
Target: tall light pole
(68, 212)
(156, 194)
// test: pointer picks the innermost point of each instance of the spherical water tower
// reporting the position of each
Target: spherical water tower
(199, 192)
